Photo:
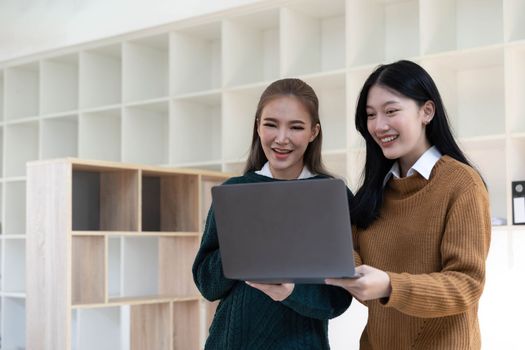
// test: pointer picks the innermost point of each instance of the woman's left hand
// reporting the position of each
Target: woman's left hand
(373, 283)
(277, 292)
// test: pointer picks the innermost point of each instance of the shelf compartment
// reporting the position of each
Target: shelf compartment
(513, 20)
(186, 325)
(169, 202)
(88, 270)
(514, 87)
(60, 84)
(209, 312)
(150, 327)
(13, 323)
(489, 157)
(146, 68)
(102, 328)
(238, 119)
(458, 24)
(59, 137)
(100, 135)
(15, 213)
(146, 133)
(196, 116)
(176, 256)
(356, 162)
(14, 266)
(313, 35)
(101, 77)
(517, 150)
(207, 182)
(105, 200)
(336, 163)
(382, 31)
(1, 151)
(251, 50)
(22, 91)
(472, 86)
(139, 266)
(21, 146)
(356, 79)
(330, 90)
(2, 80)
(196, 63)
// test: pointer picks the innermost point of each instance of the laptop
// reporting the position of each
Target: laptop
(286, 231)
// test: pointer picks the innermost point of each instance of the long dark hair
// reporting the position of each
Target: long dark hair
(306, 95)
(412, 81)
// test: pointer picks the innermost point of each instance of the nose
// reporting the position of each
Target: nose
(282, 136)
(381, 123)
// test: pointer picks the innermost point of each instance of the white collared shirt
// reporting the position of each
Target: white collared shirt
(423, 166)
(265, 171)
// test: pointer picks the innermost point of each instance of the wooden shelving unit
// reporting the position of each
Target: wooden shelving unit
(110, 248)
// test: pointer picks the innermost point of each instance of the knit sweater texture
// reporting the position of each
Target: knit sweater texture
(246, 318)
(432, 238)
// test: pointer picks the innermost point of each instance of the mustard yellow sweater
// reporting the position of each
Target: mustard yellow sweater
(432, 238)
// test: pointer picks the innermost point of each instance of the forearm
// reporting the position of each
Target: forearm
(318, 301)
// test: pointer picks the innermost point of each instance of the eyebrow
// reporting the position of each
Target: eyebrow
(270, 119)
(385, 104)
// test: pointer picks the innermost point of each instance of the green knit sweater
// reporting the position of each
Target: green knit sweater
(246, 318)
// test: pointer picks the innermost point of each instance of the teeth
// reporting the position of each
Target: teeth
(388, 139)
(282, 151)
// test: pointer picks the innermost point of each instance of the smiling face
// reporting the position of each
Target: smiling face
(397, 124)
(285, 129)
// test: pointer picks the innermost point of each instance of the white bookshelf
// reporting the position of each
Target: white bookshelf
(22, 91)
(13, 323)
(251, 48)
(196, 59)
(21, 146)
(59, 137)
(101, 76)
(59, 84)
(15, 213)
(145, 133)
(146, 68)
(184, 94)
(100, 135)
(196, 117)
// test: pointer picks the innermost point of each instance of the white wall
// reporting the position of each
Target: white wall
(30, 26)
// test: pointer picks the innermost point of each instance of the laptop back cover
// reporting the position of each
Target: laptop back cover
(289, 231)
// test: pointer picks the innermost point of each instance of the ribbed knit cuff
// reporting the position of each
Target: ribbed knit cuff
(400, 288)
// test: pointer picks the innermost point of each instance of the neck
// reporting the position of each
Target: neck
(291, 173)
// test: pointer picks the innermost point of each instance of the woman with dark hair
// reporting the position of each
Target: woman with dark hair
(286, 145)
(422, 219)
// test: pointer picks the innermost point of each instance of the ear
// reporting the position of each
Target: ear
(428, 110)
(315, 131)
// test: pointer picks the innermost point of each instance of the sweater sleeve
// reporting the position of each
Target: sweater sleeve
(207, 267)
(464, 249)
(318, 301)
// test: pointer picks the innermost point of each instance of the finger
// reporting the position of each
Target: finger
(336, 282)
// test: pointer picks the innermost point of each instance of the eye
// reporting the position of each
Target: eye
(297, 127)
(269, 124)
(391, 111)
(370, 115)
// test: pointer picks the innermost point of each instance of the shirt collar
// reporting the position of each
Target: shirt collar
(423, 165)
(265, 171)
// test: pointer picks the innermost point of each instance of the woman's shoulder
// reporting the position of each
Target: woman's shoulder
(458, 174)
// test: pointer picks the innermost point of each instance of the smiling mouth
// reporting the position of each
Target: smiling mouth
(388, 139)
(281, 151)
